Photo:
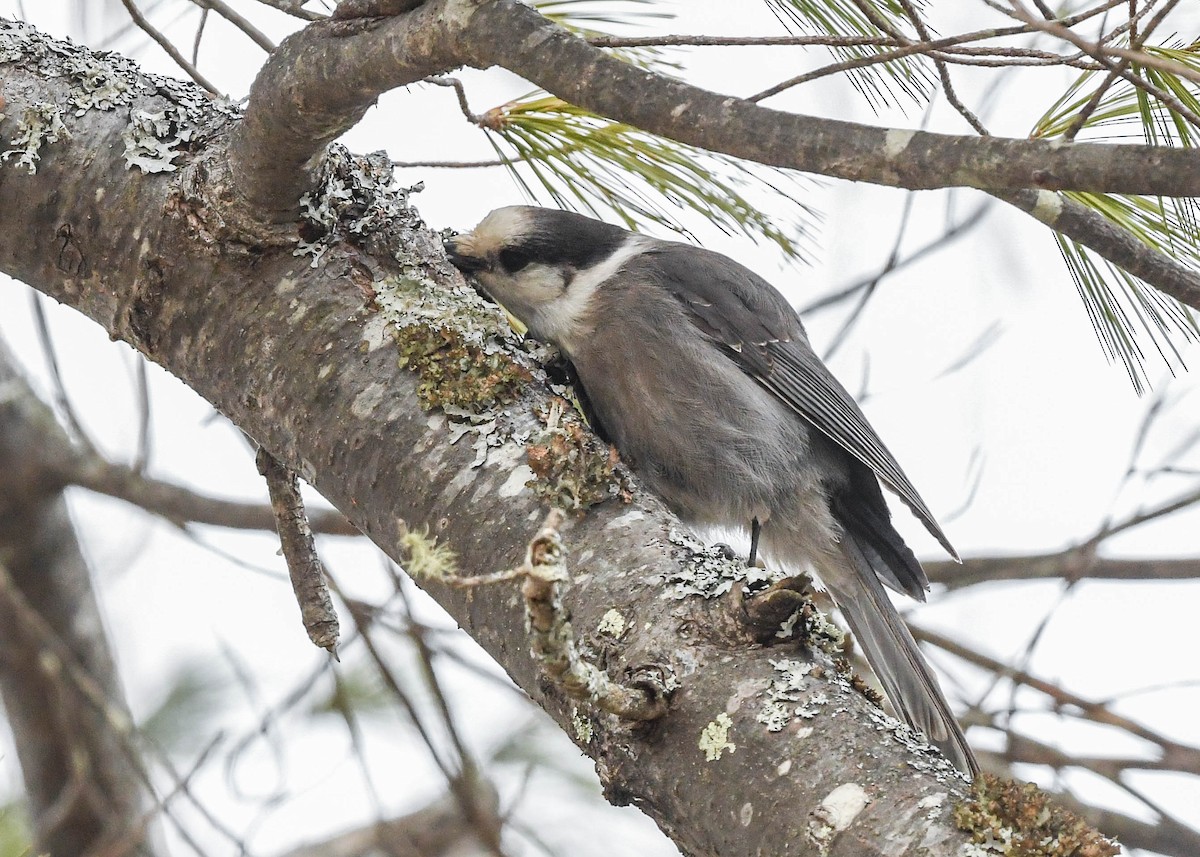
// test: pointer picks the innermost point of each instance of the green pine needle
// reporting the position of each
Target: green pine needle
(883, 84)
(587, 163)
(1132, 319)
(583, 17)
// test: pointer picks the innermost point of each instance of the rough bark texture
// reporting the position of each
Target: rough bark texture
(301, 359)
(82, 788)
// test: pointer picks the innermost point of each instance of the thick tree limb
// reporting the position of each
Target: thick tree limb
(330, 81)
(300, 358)
(322, 79)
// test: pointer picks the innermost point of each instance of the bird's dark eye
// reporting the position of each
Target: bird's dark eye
(513, 260)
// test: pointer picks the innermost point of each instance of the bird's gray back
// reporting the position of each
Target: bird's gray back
(715, 445)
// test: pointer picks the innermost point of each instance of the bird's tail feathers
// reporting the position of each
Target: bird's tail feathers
(893, 654)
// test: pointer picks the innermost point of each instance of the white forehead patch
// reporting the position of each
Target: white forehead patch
(499, 228)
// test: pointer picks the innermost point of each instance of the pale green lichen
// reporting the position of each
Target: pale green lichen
(101, 85)
(714, 738)
(455, 373)
(1015, 819)
(582, 726)
(424, 558)
(612, 624)
(40, 123)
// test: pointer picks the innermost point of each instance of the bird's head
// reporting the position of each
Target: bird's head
(542, 265)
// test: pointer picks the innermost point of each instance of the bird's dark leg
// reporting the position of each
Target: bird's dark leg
(755, 531)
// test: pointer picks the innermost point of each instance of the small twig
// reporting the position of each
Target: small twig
(60, 388)
(919, 48)
(460, 165)
(482, 818)
(1097, 712)
(956, 231)
(144, 441)
(234, 17)
(690, 41)
(57, 658)
(553, 643)
(1054, 28)
(167, 45)
(294, 8)
(181, 505)
(914, 16)
(1170, 507)
(132, 840)
(300, 552)
(461, 773)
(460, 92)
(199, 36)
(868, 291)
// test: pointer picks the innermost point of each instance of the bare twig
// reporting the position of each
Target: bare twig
(61, 399)
(144, 441)
(293, 8)
(238, 20)
(182, 505)
(167, 45)
(1021, 12)
(300, 552)
(913, 48)
(954, 232)
(1176, 755)
(460, 92)
(1072, 564)
(199, 36)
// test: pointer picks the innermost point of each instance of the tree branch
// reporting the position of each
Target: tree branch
(321, 81)
(1068, 565)
(80, 785)
(306, 359)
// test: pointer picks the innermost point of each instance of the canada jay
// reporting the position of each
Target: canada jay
(702, 376)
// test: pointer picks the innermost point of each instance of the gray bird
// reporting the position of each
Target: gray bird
(702, 376)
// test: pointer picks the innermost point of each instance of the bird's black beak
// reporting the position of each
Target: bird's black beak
(466, 264)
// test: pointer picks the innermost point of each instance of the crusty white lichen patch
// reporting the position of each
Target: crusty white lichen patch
(922, 756)
(836, 813)
(153, 138)
(714, 738)
(354, 196)
(709, 570)
(39, 124)
(787, 688)
(172, 115)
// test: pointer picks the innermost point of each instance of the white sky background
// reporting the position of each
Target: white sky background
(1053, 421)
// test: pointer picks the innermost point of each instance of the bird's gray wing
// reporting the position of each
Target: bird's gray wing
(763, 334)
